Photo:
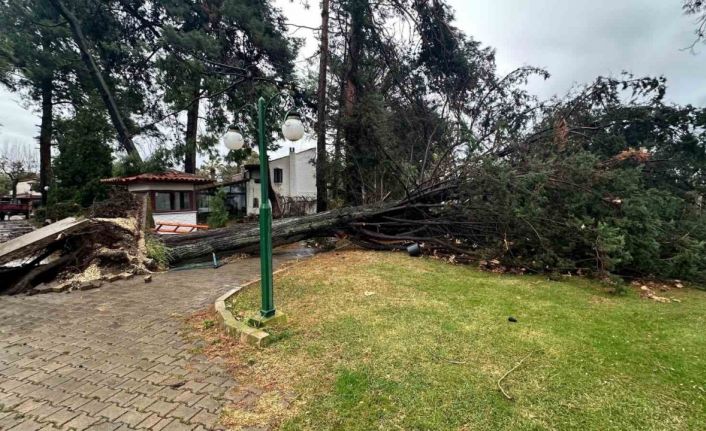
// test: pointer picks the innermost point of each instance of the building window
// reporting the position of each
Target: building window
(172, 201)
(278, 176)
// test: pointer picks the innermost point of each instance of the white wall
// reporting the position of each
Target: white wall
(298, 178)
(24, 187)
(298, 175)
(252, 190)
(145, 187)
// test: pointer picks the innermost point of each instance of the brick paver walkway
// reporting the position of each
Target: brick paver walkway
(114, 358)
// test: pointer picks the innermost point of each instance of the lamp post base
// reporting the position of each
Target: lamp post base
(258, 321)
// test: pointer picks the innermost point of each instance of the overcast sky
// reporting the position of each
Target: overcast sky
(575, 40)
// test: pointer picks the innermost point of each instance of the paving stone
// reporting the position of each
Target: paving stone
(104, 393)
(138, 374)
(183, 412)
(53, 395)
(168, 393)
(141, 402)
(122, 398)
(28, 425)
(209, 404)
(93, 407)
(162, 424)
(149, 422)
(148, 388)
(162, 408)
(74, 402)
(176, 425)
(105, 426)
(189, 398)
(10, 401)
(44, 412)
(194, 386)
(81, 422)
(112, 412)
(133, 417)
(60, 417)
(25, 389)
(8, 422)
(10, 384)
(205, 418)
(87, 389)
(29, 405)
(59, 351)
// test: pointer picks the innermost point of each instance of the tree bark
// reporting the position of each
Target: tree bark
(13, 183)
(246, 238)
(192, 123)
(124, 136)
(351, 97)
(321, 155)
(283, 231)
(45, 134)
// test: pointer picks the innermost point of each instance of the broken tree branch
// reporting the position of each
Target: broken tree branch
(510, 371)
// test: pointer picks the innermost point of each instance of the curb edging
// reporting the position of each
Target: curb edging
(239, 329)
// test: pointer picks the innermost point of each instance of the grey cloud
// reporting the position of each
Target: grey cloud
(579, 40)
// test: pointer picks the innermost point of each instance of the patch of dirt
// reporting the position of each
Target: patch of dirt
(657, 290)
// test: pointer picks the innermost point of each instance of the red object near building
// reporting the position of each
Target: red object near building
(9, 209)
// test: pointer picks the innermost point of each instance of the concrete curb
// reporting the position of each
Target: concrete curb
(237, 328)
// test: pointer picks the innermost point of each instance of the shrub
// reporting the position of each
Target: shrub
(157, 250)
(218, 217)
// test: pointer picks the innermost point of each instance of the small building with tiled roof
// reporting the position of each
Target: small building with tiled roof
(172, 194)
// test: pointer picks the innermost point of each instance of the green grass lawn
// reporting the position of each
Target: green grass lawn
(385, 341)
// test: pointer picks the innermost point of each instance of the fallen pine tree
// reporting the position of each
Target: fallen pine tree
(357, 222)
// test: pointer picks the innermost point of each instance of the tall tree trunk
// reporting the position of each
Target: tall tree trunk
(192, 124)
(321, 156)
(116, 117)
(351, 95)
(45, 133)
(13, 183)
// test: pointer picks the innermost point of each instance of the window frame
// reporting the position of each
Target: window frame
(279, 171)
(175, 198)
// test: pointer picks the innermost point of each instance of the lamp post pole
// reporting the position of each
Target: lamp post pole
(292, 130)
(265, 217)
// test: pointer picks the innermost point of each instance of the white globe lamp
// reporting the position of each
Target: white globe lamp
(233, 139)
(293, 129)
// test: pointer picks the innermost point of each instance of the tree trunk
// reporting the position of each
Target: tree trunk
(192, 123)
(13, 183)
(246, 238)
(45, 133)
(116, 117)
(321, 155)
(351, 97)
(283, 231)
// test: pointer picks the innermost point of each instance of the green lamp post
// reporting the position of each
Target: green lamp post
(292, 130)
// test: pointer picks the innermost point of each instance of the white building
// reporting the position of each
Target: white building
(293, 180)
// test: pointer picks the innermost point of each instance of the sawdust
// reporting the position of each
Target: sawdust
(92, 273)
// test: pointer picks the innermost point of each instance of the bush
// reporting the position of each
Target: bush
(157, 251)
(218, 217)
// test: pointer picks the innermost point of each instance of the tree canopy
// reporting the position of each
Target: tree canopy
(607, 179)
